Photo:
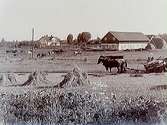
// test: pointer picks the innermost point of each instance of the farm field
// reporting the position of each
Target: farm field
(66, 61)
(103, 86)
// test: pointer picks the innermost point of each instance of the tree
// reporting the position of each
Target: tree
(164, 36)
(79, 38)
(69, 38)
(3, 40)
(98, 39)
(84, 37)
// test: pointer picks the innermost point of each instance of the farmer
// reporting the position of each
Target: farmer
(150, 58)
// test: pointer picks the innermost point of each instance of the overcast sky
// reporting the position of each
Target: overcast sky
(60, 17)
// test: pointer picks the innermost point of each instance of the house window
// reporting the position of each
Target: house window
(113, 46)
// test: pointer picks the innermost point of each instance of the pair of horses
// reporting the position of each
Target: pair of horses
(110, 63)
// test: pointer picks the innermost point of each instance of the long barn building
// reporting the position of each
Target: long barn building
(124, 40)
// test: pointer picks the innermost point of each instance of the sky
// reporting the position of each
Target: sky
(60, 17)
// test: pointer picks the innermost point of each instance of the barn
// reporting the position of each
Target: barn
(124, 40)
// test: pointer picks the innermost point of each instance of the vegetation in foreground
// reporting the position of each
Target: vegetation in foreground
(79, 106)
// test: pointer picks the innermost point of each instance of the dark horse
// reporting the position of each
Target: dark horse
(110, 63)
(165, 63)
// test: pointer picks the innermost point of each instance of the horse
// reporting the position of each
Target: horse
(110, 63)
(59, 51)
(77, 53)
(165, 63)
(30, 52)
(123, 65)
(40, 55)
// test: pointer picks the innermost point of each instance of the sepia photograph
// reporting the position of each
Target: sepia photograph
(83, 62)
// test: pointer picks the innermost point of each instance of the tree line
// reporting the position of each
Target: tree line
(83, 37)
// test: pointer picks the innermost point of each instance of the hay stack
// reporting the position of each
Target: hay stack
(7, 79)
(74, 79)
(150, 46)
(36, 79)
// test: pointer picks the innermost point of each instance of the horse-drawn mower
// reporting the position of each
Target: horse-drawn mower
(151, 66)
(155, 66)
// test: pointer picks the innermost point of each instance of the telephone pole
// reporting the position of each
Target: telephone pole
(32, 43)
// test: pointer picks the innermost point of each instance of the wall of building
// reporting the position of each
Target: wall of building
(132, 45)
(109, 38)
(106, 46)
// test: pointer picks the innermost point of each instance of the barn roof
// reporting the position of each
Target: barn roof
(129, 36)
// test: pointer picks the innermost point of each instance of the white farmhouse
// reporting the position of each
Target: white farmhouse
(48, 41)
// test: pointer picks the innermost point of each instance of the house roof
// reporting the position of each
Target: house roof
(129, 36)
(47, 38)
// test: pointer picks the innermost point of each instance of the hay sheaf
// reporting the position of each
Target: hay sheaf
(7, 79)
(74, 79)
(36, 79)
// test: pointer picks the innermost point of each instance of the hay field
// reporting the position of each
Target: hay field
(106, 91)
